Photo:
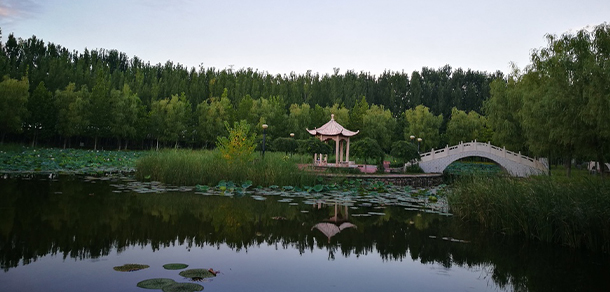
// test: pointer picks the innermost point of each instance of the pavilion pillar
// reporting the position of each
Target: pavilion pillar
(342, 144)
(347, 151)
(337, 152)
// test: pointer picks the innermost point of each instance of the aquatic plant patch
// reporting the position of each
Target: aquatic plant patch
(182, 287)
(130, 267)
(175, 266)
(68, 161)
(198, 273)
(156, 283)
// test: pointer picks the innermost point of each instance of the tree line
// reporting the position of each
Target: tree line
(555, 107)
(53, 95)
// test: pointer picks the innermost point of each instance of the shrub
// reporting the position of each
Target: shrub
(239, 145)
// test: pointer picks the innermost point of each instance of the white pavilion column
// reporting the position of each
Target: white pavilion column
(337, 152)
(347, 151)
(341, 145)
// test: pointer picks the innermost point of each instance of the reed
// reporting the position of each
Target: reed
(574, 212)
(192, 167)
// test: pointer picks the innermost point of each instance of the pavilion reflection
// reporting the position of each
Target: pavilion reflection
(335, 224)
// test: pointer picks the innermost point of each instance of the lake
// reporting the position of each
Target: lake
(68, 234)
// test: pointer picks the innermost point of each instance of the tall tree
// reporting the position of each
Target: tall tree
(43, 114)
(72, 115)
(13, 105)
(421, 123)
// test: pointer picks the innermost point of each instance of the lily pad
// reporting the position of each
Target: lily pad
(197, 273)
(182, 287)
(156, 283)
(175, 266)
(130, 267)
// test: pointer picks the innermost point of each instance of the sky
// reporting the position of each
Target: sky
(283, 36)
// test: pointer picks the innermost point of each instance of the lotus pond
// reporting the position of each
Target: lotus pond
(117, 234)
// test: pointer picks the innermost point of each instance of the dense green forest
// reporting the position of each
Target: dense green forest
(104, 96)
(557, 106)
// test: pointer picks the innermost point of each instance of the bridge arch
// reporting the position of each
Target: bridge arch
(515, 164)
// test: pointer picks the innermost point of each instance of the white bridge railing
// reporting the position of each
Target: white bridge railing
(482, 147)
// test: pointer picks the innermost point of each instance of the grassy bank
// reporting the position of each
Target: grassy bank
(574, 212)
(192, 167)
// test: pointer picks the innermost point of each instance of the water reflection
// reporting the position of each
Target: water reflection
(80, 220)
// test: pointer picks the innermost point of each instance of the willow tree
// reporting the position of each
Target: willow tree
(502, 110)
(566, 94)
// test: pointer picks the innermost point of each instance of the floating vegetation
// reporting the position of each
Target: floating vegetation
(198, 273)
(182, 287)
(175, 266)
(130, 267)
(157, 283)
(350, 193)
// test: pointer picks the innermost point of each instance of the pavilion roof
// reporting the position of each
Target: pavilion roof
(332, 128)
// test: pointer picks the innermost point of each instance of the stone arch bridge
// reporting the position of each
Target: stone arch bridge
(516, 164)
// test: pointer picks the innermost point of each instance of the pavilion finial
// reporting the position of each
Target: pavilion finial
(332, 117)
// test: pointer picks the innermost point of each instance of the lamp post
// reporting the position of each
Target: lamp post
(265, 126)
(292, 137)
(418, 142)
(412, 138)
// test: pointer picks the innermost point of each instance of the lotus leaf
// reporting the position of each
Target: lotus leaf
(318, 188)
(130, 267)
(156, 283)
(197, 273)
(182, 287)
(202, 188)
(175, 266)
(246, 184)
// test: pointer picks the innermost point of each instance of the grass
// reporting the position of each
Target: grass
(192, 167)
(574, 212)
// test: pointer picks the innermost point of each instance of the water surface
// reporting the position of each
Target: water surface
(68, 234)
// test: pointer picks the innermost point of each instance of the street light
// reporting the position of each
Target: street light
(291, 150)
(412, 137)
(264, 134)
(418, 142)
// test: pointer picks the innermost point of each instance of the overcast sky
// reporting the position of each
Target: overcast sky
(280, 36)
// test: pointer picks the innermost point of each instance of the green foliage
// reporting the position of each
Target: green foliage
(313, 145)
(423, 124)
(72, 115)
(239, 145)
(571, 212)
(464, 127)
(378, 124)
(286, 145)
(405, 150)
(43, 115)
(368, 149)
(13, 105)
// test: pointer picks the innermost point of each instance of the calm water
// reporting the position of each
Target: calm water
(67, 235)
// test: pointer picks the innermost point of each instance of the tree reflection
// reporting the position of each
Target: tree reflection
(84, 220)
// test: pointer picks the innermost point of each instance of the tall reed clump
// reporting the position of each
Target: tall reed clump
(572, 212)
(192, 167)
